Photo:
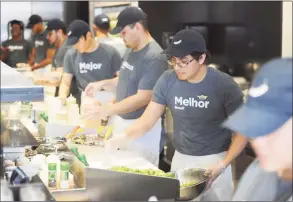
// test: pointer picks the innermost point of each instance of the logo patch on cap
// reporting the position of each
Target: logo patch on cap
(105, 20)
(69, 33)
(259, 91)
(177, 42)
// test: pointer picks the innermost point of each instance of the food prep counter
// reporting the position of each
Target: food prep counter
(91, 175)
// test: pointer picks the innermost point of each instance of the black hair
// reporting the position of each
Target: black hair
(17, 22)
(197, 55)
(64, 30)
(84, 35)
(144, 24)
(104, 27)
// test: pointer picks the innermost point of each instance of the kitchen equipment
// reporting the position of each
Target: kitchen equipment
(19, 177)
(120, 186)
(16, 87)
(196, 178)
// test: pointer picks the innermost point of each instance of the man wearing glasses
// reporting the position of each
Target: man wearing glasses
(200, 99)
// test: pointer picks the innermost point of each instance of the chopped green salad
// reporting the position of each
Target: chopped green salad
(150, 172)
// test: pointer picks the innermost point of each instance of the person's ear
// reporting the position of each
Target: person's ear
(59, 32)
(88, 35)
(95, 28)
(202, 59)
(137, 26)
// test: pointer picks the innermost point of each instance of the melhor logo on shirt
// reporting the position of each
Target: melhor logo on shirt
(177, 42)
(181, 103)
(86, 67)
(13, 48)
(126, 65)
(39, 43)
(259, 91)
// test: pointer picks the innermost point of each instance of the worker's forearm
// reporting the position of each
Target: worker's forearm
(138, 129)
(64, 91)
(43, 63)
(128, 105)
(31, 59)
(109, 84)
(238, 144)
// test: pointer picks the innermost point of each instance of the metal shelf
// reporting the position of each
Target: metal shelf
(16, 87)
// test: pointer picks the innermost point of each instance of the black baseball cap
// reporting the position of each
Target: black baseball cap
(55, 24)
(77, 29)
(102, 21)
(34, 19)
(128, 16)
(185, 42)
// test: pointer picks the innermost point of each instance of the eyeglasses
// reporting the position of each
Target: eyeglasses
(172, 61)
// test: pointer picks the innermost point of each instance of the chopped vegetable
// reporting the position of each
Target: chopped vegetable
(109, 132)
(189, 184)
(150, 172)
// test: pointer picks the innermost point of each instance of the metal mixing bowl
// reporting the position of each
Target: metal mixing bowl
(192, 175)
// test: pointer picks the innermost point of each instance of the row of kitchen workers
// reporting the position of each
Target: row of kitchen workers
(39, 50)
(199, 97)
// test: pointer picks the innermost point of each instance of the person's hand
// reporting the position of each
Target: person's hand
(96, 112)
(4, 49)
(93, 87)
(118, 141)
(214, 172)
(22, 65)
(31, 67)
(113, 101)
(63, 100)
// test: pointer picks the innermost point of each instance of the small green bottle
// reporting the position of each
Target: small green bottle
(64, 175)
(52, 174)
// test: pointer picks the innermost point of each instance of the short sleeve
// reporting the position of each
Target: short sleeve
(152, 71)
(116, 61)
(68, 63)
(160, 90)
(233, 97)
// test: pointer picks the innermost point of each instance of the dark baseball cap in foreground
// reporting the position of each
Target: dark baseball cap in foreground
(128, 16)
(34, 19)
(185, 42)
(77, 29)
(269, 103)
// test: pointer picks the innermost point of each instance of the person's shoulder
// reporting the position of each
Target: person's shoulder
(169, 75)
(220, 78)
(110, 50)
(7, 42)
(71, 52)
(26, 42)
(154, 51)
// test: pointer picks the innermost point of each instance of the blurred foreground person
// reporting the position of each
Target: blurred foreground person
(266, 119)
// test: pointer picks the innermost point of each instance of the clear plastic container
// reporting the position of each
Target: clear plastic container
(64, 175)
(88, 123)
